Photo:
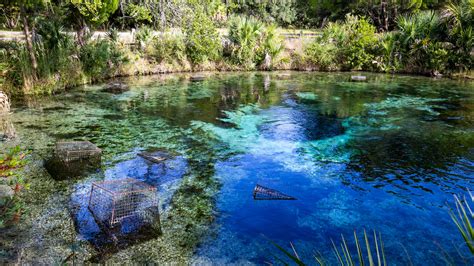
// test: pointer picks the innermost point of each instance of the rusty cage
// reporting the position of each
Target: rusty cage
(112, 201)
(69, 151)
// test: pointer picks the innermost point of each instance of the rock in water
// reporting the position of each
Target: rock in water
(4, 103)
(116, 87)
(6, 193)
(358, 78)
(196, 78)
(7, 131)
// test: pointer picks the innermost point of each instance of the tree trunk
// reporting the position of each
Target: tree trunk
(29, 42)
(81, 31)
(384, 15)
(162, 15)
(395, 11)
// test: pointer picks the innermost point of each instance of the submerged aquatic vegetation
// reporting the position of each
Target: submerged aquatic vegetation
(235, 130)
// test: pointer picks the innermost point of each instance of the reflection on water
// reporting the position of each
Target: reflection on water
(383, 155)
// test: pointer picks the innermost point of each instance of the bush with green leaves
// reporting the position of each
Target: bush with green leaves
(351, 44)
(459, 20)
(138, 14)
(418, 45)
(143, 36)
(251, 42)
(11, 163)
(322, 55)
(101, 58)
(169, 48)
(56, 64)
(203, 42)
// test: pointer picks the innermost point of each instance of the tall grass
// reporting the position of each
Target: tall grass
(366, 251)
(463, 217)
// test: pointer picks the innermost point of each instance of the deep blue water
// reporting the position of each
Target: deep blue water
(386, 156)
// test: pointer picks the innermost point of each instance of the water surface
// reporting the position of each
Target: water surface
(384, 155)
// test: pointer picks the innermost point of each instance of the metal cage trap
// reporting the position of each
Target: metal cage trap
(264, 193)
(69, 151)
(113, 201)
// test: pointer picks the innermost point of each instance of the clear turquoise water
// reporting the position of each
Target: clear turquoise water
(386, 155)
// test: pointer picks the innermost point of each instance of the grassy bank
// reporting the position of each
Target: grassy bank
(428, 43)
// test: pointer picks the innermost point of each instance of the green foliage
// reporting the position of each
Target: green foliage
(463, 217)
(143, 36)
(55, 64)
(203, 42)
(351, 45)
(97, 11)
(459, 19)
(367, 252)
(418, 43)
(11, 162)
(101, 58)
(169, 48)
(54, 48)
(252, 41)
(279, 12)
(138, 14)
(244, 34)
(323, 55)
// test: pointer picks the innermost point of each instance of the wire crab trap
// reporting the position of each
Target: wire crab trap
(112, 202)
(263, 193)
(72, 159)
(69, 151)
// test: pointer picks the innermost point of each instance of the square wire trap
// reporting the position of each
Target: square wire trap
(113, 201)
(69, 151)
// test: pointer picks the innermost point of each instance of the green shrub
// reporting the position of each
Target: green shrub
(169, 48)
(143, 36)
(244, 34)
(271, 46)
(101, 58)
(322, 55)
(57, 65)
(419, 43)
(459, 20)
(352, 43)
(138, 14)
(252, 42)
(203, 42)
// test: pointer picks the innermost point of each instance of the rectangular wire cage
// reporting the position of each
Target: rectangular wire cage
(112, 201)
(69, 151)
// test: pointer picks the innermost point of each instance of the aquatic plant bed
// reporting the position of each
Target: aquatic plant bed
(386, 154)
